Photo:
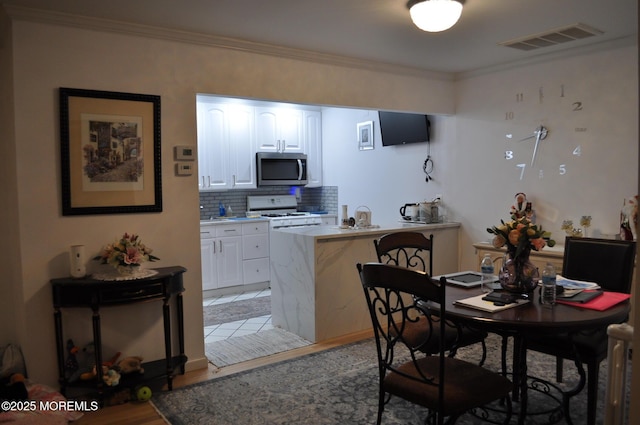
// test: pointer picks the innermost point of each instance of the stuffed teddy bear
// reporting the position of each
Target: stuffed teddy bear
(130, 365)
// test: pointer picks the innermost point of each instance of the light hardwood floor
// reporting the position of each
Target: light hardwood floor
(141, 413)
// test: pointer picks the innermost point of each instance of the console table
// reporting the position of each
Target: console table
(94, 294)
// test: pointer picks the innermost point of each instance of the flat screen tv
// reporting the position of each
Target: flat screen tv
(399, 128)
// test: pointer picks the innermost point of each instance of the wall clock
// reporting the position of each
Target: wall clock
(543, 132)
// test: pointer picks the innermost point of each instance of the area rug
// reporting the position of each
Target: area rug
(337, 386)
(248, 347)
(238, 310)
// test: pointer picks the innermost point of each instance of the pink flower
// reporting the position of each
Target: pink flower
(498, 241)
(132, 256)
(538, 243)
(514, 236)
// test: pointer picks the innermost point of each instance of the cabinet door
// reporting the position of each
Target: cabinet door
(255, 246)
(313, 142)
(290, 129)
(213, 147)
(279, 130)
(229, 261)
(209, 277)
(242, 161)
(267, 137)
(257, 270)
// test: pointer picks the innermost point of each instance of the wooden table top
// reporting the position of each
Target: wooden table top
(533, 316)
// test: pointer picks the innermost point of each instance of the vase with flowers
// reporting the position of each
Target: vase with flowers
(519, 236)
(127, 255)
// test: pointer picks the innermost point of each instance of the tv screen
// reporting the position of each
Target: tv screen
(399, 128)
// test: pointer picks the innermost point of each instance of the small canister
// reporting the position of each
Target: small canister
(435, 215)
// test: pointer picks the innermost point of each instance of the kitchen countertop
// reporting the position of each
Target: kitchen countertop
(232, 220)
(335, 232)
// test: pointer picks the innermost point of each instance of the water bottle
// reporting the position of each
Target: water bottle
(548, 295)
(486, 267)
(221, 210)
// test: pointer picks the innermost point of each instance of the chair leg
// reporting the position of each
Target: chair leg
(559, 366)
(593, 370)
(484, 353)
(503, 359)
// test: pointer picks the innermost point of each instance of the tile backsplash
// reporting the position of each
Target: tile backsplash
(325, 198)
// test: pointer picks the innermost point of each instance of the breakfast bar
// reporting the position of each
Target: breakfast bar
(315, 290)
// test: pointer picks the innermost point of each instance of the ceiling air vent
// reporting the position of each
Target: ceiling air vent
(553, 37)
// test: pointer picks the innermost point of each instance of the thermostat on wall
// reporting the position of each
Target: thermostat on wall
(185, 153)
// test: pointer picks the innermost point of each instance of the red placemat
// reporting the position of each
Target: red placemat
(601, 303)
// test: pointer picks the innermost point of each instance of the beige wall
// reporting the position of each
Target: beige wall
(47, 57)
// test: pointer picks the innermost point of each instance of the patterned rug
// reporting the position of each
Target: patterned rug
(237, 310)
(337, 386)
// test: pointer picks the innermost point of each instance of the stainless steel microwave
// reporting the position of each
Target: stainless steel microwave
(275, 169)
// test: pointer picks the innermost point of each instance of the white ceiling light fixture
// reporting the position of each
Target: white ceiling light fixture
(435, 15)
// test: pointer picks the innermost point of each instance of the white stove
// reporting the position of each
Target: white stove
(282, 211)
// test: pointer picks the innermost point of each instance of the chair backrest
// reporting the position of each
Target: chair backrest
(607, 262)
(406, 249)
(389, 291)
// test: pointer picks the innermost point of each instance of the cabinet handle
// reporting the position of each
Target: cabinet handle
(220, 247)
(234, 180)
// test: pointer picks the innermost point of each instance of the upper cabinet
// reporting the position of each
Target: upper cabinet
(313, 141)
(279, 130)
(230, 134)
(226, 146)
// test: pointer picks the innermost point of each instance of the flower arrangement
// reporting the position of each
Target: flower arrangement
(520, 236)
(127, 252)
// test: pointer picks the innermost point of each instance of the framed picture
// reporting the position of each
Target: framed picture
(365, 135)
(110, 152)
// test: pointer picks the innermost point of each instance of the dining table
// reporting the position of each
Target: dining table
(532, 318)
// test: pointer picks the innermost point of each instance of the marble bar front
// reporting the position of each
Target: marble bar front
(315, 289)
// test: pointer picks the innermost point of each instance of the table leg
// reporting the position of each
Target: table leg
(180, 312)
(520, 375)
(57, 319)
(97, 341)
(166, 313)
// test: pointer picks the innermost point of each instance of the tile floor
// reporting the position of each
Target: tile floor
(240, 327)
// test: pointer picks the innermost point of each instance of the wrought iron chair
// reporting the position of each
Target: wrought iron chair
(446, 386)
(414, 250)
(610, 264)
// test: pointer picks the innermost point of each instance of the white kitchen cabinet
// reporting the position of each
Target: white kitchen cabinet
(221, 255)
(234, 253)
(255, 252)
(329, 220)
(539, 258)
(279, 130)
(313, 142)
(226, 146)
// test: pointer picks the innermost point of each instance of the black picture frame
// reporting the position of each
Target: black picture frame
(105, 140)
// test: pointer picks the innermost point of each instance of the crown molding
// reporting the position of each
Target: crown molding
(140, 30)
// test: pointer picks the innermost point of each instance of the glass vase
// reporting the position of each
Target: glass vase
(519, 274)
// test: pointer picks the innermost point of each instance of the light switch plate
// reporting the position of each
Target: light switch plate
(185, 153)
(184, 169)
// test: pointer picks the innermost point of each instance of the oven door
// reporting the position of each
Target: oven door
(281, 169)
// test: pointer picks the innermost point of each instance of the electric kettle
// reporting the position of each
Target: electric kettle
(409, 211)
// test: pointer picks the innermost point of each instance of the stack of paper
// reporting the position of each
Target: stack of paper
(575, 284)
(479, 304)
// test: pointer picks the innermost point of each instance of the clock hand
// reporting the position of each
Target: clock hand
(535, 149)
(541, 134)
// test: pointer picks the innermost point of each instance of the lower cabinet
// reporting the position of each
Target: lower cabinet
(539, 258)
(234, 254)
